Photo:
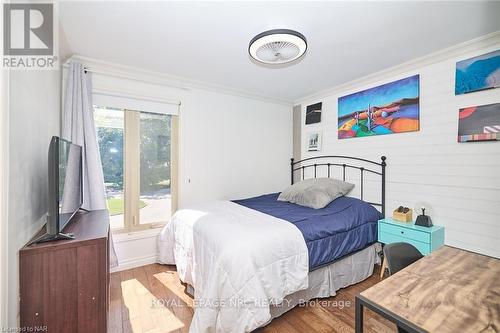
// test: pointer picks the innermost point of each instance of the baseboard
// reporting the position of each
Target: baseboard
(135, 262)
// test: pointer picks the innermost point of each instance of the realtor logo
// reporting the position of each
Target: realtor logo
(28, 36)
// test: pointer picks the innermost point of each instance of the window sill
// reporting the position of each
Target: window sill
(119, 237)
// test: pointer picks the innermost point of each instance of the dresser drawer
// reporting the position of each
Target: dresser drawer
(388, 238)
(403, 232)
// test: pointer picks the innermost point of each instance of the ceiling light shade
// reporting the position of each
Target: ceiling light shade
(278, 46)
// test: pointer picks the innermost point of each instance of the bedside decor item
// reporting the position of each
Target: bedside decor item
(314, 141)
(424, 220)
(478, 73)
(402, 214)
(479, 123)
(313, 113)
(390, 108)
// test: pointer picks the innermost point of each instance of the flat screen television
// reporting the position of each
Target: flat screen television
(65, 187)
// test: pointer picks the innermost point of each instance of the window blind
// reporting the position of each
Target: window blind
(134, 103)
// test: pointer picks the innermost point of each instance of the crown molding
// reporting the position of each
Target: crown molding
(177, 82)
(431, 58)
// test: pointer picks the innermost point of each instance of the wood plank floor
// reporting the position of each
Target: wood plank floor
(151, 299)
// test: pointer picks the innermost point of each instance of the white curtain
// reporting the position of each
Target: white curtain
(78, 127)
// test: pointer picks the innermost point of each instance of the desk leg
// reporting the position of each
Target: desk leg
(358, 315)
(403, 325)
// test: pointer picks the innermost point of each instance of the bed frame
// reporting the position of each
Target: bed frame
(319, 161)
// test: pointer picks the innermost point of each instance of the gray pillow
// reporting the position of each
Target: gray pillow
(315, 192)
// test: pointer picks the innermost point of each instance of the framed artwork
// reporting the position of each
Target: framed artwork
(479, 123)
(314, 141)
(478, 73)
(313, 113)
(390, 108)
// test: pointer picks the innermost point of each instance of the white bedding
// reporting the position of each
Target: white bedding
(240, 261)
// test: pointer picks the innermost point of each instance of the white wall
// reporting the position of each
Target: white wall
(461, 181)
(34, 117)
(232, 147)
(229, 147)
(297, 131)
(4, 192)
(34, 110)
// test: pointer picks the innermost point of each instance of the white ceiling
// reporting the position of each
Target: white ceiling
(208, 41)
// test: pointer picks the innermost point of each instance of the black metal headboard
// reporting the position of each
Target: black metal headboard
(312, 162)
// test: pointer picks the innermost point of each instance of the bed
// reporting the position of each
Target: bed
(248, 261)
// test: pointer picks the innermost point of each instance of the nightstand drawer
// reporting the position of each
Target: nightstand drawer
(404, 232)
(387, 238)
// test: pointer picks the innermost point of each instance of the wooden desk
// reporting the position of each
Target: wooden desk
(450, 290)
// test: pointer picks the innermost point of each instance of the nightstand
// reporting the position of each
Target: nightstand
(424, 239)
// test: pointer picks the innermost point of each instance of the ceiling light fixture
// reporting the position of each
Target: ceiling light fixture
(278, 46)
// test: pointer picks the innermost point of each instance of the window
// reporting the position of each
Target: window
(138, 158)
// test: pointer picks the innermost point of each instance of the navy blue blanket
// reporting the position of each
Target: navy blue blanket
(344, 226)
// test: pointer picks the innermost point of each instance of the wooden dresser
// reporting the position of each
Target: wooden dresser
(64, 285)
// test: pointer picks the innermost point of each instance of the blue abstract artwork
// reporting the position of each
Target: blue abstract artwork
(478, 73)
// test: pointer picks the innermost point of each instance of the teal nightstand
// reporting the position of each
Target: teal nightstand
(424, 239)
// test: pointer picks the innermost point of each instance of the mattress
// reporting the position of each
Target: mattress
(344, 226)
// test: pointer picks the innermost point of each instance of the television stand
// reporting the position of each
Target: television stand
(64, 285)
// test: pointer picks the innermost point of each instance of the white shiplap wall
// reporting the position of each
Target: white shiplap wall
(461, 181)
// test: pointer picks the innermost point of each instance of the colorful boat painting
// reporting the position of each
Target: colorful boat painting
(479, 123)
(386, 109)
(478, 73)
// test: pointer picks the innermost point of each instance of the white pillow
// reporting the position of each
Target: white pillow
(315, 192)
